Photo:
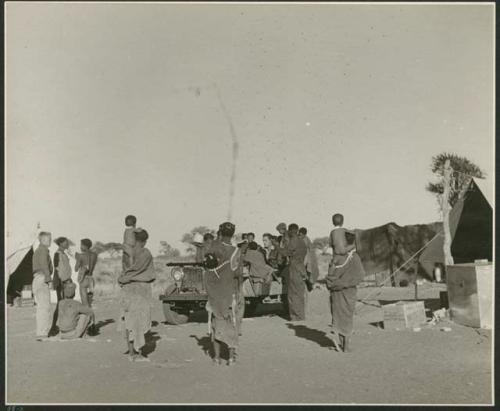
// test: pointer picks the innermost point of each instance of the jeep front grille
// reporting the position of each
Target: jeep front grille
(193, 279)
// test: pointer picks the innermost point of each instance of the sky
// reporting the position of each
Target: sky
(111, 109)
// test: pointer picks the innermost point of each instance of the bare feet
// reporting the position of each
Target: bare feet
(232, 356)
(136, 357)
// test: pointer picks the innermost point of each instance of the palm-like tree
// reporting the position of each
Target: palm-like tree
(463, 171)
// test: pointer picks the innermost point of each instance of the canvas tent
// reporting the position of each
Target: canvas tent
(19, 265)
(471, 228)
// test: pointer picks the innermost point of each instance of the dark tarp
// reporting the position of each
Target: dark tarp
(385, 248)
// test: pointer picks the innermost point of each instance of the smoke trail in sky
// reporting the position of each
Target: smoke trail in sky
(234, 137)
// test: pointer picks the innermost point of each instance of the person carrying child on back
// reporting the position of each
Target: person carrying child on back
(136, 297)
(344, 274)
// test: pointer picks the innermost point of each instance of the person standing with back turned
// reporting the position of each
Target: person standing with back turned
(344, 274)
(296, 251)
(223, 269)
(85, 264)
(136, 297)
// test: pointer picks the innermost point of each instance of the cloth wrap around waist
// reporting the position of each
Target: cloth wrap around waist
(346, 275)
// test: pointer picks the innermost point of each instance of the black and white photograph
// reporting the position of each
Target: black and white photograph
(249, 203)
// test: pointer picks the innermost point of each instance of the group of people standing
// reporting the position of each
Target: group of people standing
(70, 318)
(292, 259)
(288, 257)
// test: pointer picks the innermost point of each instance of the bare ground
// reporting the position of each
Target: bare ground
(278, 362)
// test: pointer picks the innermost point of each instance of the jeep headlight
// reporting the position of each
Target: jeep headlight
(177, 275)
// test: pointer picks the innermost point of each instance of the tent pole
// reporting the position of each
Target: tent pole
(416, 278)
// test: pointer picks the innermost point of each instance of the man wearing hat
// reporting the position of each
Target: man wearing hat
(198, 244)
(74, 318)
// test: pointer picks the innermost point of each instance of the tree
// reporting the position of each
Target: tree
(168, 251)
(113, 248)
(454, 173)
(321, 243)
(187, 238)
(463, 171)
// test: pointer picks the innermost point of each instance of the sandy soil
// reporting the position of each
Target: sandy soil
(278, 362)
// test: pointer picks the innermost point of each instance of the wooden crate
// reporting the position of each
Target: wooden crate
(470, 294)
(404, 314)
(26, 294)
(27, 302)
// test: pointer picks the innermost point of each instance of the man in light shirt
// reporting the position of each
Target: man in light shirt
(42, 278)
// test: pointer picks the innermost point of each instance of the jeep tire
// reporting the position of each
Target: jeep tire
(251, 307)
(173, 318)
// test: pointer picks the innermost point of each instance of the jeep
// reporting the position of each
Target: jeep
(187, 294)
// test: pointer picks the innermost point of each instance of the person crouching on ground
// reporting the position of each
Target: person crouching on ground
(136, 296)
(223, 272)
(74, 318)
(85, 264)
(42, 272)
(344, 274)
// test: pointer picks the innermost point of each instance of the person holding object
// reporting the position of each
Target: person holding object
(62, 267)
(42, 272)
(344, 274)
(296, 251)
(75, 318)
(85, 264)
(136, 296)
(223, 272)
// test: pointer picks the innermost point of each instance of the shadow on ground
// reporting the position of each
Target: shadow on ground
(96, 329)
(262, 310)
(204, 343)
(319, 337)
(151, 339)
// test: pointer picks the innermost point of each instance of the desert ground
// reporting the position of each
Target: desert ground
(278, 361)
